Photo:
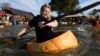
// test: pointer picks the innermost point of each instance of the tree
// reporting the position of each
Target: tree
(63, 6)
(3, 5)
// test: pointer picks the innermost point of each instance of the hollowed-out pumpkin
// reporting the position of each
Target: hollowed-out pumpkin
(65, 41)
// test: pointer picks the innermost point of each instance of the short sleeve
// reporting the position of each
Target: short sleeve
(32, 22)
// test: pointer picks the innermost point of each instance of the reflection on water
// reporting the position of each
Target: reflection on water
(89, 48)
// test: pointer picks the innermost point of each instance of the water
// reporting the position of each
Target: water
(8, 48)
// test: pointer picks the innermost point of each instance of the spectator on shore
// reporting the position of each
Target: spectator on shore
(13, 20)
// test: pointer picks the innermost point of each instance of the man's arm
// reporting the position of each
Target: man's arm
(52, 24)
(23, 31)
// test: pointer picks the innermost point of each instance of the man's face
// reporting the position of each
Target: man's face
(45, 13)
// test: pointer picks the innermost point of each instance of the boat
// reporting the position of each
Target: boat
(64, 42)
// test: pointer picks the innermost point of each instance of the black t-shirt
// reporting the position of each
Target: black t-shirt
(44, 33)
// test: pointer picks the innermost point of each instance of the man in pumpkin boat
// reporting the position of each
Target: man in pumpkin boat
(43, 29)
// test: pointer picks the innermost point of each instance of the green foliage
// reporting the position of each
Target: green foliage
(63, 6)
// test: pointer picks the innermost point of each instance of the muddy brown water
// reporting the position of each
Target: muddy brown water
(89, 47)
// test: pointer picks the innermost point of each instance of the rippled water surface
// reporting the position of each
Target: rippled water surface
(8, 48)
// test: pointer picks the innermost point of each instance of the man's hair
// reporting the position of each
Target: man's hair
(45, 6)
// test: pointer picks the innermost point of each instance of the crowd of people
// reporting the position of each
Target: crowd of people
(13, 19)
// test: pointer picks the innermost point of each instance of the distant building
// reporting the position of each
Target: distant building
(19, 15)
(18, 12)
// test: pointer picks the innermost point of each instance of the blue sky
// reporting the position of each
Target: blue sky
(84, 3)
(34, 5)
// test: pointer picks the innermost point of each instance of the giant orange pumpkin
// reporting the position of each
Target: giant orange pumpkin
(64, 41)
